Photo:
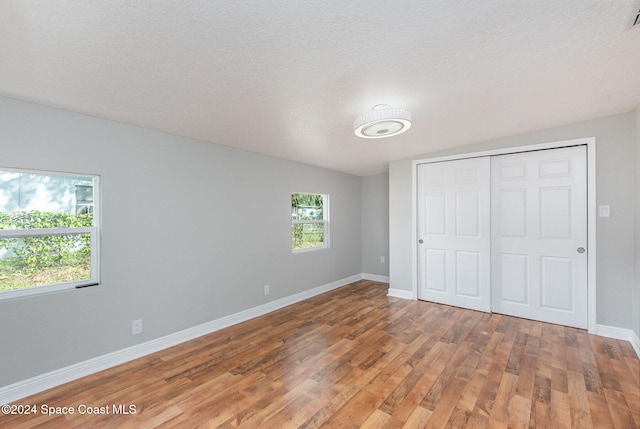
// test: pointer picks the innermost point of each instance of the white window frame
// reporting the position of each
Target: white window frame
(324, 221)
(93, 231)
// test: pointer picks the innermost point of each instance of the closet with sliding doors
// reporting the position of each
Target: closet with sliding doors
(506, 234)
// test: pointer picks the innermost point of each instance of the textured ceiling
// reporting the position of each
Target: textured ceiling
(288, 78)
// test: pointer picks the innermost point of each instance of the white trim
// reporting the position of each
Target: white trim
(309, 249)
(93, 231)
(60, 376)
(590, 142)
(324, 221)
(414, 231)
(508, 150)
(619, 334)
(304, 222)
(19, 233)
(375, 278)
(401, 293)
(37, 384)
(592, 217)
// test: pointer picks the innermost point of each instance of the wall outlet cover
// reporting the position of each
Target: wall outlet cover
(604, 211)
(136, 327)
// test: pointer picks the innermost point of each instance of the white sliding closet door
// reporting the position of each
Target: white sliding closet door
(454, 233)
(539, 235)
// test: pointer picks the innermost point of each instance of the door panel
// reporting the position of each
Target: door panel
(436, 213)
(467, 214)
(454, 226)
(468, 274)
(514, 203)
(555, 212)
(557, 274)
(539, 220)
(436, 270)
(514, 272)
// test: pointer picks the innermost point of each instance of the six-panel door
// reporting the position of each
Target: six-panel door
(539, 235)
(506, 234)
(454, 226)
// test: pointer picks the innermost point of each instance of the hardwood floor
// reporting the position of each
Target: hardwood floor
(354, 358)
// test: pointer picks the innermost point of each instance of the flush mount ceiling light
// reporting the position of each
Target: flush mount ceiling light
(382, 121)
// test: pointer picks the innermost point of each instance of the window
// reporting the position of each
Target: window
(48, 232)
(84, 199)
(309, 221)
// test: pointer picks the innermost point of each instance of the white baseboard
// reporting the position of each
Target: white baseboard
(620, 334)
(31, 386)
(602, 330)
(375, 278)
(400, 293)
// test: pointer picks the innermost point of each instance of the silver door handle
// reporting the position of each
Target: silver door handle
(581, 250)
(421, 241)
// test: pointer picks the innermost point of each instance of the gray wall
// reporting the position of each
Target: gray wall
(400, 228)
(636, 300)
(375, 224)
(191, 232)
(615, 176)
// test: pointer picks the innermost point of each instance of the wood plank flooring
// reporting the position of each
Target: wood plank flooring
(355, 358)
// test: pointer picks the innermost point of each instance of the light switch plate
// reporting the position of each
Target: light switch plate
(604, 211)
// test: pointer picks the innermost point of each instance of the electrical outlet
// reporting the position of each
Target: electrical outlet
(266, 290)
(604, 211)
(136, 327)
(382, 259)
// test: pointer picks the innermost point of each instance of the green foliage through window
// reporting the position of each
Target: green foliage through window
(309, 223)
(34, 260)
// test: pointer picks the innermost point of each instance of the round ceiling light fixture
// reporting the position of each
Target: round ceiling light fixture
(382, 121)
